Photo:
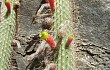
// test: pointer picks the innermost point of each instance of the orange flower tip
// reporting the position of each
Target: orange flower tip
(43, 34)
(71, 36)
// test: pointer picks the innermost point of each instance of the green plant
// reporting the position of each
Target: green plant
(63, 24)
(7, 26)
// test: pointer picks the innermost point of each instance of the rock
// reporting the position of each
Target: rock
(27, 33)
(25, 28)
(93, 35)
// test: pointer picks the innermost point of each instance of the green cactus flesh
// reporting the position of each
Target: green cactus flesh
(7, 26)
(62, 16)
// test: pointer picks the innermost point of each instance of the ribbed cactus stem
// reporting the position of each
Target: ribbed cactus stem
(63, 25)
(6, 34)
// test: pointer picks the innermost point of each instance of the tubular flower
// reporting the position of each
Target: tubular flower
(7, 4)
(51, 2)
(48, 38)
(69, 40)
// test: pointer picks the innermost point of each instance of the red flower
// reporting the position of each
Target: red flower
(51, 2)
(48, 38)
(69, 40)
(7, 4)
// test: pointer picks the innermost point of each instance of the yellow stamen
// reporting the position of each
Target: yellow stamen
(71, 36)
(6, 0)
(43, 34)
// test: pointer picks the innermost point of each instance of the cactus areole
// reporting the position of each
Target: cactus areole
(48, 38)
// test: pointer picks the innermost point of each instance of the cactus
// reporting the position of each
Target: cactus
(63, 24)
(62, 17)
(7, 26)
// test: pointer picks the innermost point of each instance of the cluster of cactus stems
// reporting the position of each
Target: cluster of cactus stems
(62, 31)
(63, 36)
(7, 26)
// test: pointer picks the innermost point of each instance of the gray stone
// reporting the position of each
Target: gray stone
(93, 34)
(27, 32)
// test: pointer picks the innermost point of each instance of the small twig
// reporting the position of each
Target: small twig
(38, 12)
(16, 9)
